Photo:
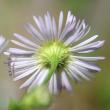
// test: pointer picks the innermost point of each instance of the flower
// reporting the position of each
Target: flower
(53, 57)
(3, 43)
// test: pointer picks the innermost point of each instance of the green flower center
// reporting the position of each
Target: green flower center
(53, 55)
(53, 52)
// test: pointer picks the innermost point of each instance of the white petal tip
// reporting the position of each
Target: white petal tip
(6, 53)
(21, 87)
(14, 34)
(15, 79)
(98, 69)
(34, 17)
(102, 58)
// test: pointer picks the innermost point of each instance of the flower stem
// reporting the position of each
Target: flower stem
(54, 64)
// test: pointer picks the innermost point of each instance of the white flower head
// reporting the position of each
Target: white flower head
(3, 44)
(52, 58)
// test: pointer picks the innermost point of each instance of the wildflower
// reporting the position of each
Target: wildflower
(53, 57)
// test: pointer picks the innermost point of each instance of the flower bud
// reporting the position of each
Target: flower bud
(37, 98)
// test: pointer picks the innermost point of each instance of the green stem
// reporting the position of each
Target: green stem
(54, 64)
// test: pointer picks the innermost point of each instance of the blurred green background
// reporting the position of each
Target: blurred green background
(93, 95)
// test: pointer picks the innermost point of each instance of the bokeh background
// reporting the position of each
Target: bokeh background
(92, 95)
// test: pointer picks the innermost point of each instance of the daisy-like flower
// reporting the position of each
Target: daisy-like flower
(53, 57)
(3, 43)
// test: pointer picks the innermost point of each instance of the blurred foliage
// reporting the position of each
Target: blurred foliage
(77, 6)
(14, 105)
(17, 2)
(103, 93)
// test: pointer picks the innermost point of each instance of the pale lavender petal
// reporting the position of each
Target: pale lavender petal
(68, 17)
(43, 26)
(29, 64)
(37, 35)
(19, 51)
(65, 82)
(89, 58)
(88, 65)
(25, 40)
(3, 44)
(19, 59)
(87, 51)
(47, 27)
(76, 33)
(18, 72)
(30, 71)
(68, 27)
(30, 80)
(72, 74)
(54, 27)
(79, 73)
(23, 45)
(39, 79)
(86, 41)
(2, 40)
(37, 22)
(53, 87)
(60, 23)
(91, 46)
(50, 24)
